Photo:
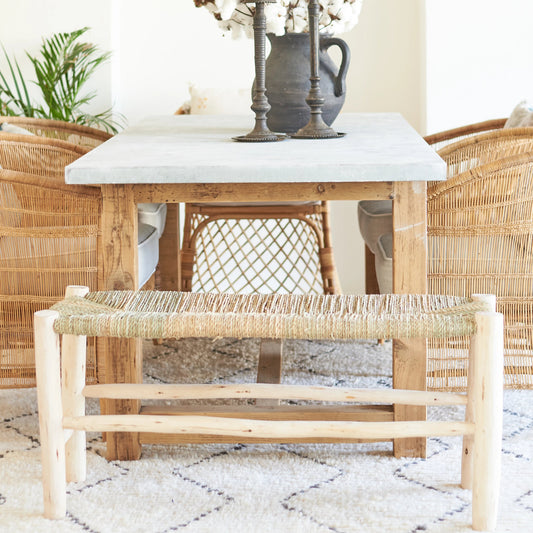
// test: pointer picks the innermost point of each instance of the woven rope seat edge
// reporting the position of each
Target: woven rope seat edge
(168, 314)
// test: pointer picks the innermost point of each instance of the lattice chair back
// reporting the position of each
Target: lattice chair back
(258, 248)
(480, 238)
(48, 240)
(57, 129)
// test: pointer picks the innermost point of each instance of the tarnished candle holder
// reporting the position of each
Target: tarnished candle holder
(260, 105)
(316, 128)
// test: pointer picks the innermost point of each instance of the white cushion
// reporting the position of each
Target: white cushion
(521, 116)
(11, 128)
(154, 215)
(383, 261)
(375, 219)
(216, 101)
(148, 249)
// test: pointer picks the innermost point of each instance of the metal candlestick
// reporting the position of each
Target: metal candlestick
(260, 105)
(316, 128)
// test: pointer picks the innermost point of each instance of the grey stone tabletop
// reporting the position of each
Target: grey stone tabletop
(200, 149)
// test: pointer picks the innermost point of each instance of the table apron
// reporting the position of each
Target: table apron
(260, 192)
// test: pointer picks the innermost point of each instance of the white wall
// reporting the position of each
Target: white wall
(479, 60)
(440, 64)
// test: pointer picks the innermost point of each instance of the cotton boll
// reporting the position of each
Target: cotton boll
(226, 8)
(299, 21)
(276, 16)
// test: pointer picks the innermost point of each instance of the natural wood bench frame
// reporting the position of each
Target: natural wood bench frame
(62, 391)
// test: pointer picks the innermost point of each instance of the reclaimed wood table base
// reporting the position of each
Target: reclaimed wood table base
(192, 158)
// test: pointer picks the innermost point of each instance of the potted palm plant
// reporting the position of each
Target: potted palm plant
(62, 68)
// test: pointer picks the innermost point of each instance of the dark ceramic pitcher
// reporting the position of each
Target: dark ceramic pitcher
(287, 80)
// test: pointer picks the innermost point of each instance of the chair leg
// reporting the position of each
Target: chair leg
(488, 415)
(47, 367)
(73, 369)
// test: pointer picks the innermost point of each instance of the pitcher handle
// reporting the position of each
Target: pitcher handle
(340, 80)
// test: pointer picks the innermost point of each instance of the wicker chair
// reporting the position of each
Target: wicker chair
(449, 262)
(57, 129)
(258, 248)
(48, 240)
(480, 238)
(49, 234)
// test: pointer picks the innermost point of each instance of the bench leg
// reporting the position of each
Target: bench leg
(467, 463)
(74, 349)
(47, 367)
(488, 415)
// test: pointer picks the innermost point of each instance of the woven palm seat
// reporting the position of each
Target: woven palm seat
(153, 314)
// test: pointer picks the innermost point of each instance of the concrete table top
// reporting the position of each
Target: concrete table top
(200, 149)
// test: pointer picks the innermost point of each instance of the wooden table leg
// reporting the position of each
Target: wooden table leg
(269, 366)
(118, 270)
(409, 277)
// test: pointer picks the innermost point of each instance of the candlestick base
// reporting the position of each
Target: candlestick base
(316, 128)
(254, 138)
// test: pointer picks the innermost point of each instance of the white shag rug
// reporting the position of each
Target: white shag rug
(220, 488)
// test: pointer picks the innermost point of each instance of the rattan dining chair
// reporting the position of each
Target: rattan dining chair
(274, 247)
(475, 220)
(78, 134)
(63, 420)
(49, 234)
(48, 238)
(480, 238)
(375, 216)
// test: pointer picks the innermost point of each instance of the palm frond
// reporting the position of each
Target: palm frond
(62, 69)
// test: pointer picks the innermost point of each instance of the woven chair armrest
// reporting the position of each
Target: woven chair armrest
(462, 131)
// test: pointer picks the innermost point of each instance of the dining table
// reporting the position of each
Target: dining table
(194, 158)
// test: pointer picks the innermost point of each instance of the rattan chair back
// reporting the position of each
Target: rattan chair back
(480, 239)
(58, 129)
(48, 240)
(38, 155)
(486, 147)
(258, 248)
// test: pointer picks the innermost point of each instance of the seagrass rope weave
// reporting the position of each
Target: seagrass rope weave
(57, 129)
(480, 239)
(258, 248)
(154, 314)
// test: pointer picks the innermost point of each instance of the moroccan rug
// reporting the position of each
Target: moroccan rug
(307, 488)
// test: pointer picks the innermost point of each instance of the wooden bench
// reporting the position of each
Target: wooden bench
(152, 314)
